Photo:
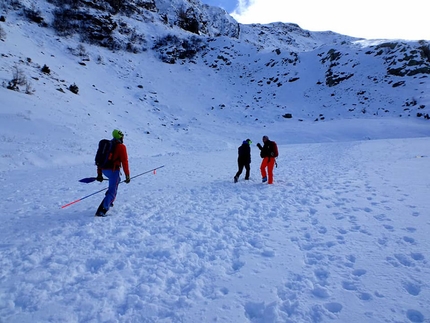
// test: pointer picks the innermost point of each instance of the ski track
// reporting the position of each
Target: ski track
(181, 245)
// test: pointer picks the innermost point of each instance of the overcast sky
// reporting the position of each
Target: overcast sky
(366, 18)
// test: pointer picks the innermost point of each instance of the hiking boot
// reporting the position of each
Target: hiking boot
(101, 212)
(235, 179)
(264, 179)
(246, 178)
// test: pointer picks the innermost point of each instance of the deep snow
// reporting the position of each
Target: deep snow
(341, 236)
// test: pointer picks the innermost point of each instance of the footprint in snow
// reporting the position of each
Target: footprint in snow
(412, 288)
(415, 316)
(409, 240)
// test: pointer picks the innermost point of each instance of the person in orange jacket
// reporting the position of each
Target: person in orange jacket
(112, 171)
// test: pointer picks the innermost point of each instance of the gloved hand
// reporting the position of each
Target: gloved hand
(99, 178)
(127, 179)
(259, 146)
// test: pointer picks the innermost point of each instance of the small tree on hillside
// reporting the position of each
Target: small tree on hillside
(18, 79)
(46, 69)
(74, 88)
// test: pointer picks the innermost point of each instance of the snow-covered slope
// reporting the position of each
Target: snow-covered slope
(250, 83)
(341, 236)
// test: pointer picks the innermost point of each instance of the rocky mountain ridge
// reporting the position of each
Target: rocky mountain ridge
(290, 71)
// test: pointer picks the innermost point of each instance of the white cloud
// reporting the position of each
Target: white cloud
(366, 18)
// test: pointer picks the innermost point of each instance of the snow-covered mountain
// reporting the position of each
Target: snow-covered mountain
(265, 76)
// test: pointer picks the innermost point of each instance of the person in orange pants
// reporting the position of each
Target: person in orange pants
(269, 163)
(269, 151)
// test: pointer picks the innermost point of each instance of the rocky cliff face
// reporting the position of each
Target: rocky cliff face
(281, 64)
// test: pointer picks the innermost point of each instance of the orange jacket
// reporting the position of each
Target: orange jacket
(119, 158)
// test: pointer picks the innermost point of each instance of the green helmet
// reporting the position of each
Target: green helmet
(117, 134)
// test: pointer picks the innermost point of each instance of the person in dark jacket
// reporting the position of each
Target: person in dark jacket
(269, 151)
(112, 172)
(244, 159)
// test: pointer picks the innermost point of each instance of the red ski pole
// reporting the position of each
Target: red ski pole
(83, 198)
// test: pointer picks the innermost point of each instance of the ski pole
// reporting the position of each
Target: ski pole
(83, 198)
(152, 170)
(93, 179)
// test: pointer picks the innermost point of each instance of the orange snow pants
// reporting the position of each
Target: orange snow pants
(268, 162)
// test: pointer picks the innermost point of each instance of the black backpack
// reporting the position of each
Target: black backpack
(104, 153)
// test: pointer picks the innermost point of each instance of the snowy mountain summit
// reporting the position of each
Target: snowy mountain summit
(340, 236)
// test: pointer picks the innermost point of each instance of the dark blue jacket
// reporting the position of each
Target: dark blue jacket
(244, 152)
